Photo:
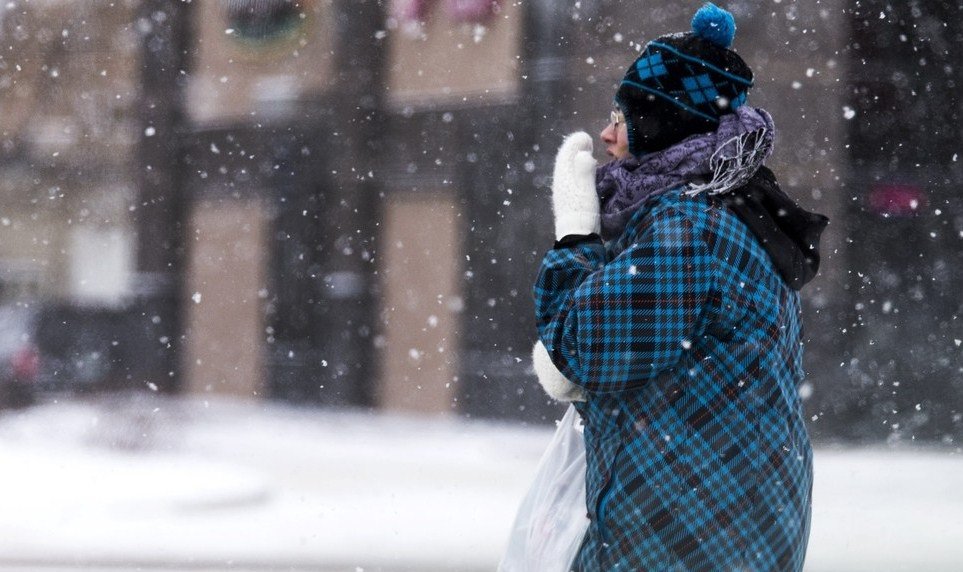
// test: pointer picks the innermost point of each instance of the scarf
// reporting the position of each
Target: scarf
(714, 163)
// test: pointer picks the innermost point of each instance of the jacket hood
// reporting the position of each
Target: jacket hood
(789, 233)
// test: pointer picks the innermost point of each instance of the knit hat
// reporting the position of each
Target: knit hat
(682, 83)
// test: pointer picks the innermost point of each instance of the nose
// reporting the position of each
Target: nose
(608, 134)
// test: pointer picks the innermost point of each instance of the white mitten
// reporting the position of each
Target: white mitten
(574, 199)
(552, 381)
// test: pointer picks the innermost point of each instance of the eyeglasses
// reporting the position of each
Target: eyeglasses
(616, 118)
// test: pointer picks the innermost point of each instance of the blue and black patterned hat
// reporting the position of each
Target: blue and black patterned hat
(682, 83)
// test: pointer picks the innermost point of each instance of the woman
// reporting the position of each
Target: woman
(669, 312)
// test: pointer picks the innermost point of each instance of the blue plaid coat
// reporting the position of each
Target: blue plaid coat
(687, 341)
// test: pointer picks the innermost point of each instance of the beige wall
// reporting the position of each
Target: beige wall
(33, 246)
(234, 78)
(224, 325)
(441, 61)
(420, 250)
(68, 95)
(73, 97)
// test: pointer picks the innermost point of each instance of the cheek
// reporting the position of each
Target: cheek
(623, 137)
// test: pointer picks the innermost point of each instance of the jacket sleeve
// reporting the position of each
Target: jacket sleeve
(614, 326)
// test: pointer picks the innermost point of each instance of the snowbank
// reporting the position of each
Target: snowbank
(228, 485)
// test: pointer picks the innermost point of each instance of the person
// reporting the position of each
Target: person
(668, 312)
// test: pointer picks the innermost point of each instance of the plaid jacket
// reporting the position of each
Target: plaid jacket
(688, 343)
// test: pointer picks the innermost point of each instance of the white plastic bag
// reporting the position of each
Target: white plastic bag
(551, 520)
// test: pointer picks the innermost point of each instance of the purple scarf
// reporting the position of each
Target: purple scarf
(712, 162)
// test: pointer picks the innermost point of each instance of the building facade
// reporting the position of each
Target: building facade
(433, 226)
(343, 203)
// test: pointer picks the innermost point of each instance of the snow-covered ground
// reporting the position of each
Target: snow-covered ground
(156, 483)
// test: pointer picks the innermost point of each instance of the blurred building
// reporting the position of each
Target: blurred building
(342, 202)
(69, 88)
(398, 184)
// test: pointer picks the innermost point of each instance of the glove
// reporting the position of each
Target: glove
(574, 199)
(552, 380)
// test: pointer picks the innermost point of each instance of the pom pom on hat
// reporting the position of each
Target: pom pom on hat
(715, 25)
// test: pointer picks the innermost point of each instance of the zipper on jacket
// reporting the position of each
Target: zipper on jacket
(603, 502)
(608, 488)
